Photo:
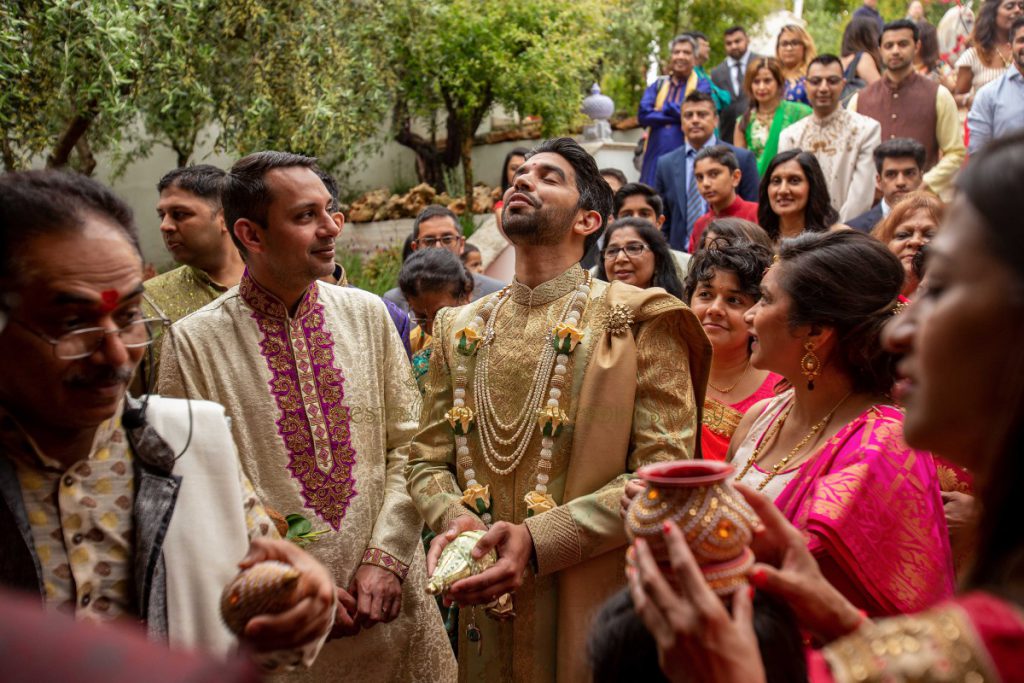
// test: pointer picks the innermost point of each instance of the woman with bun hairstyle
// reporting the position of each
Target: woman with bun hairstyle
(830, 451)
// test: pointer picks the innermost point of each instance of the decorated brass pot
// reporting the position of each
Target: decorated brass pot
(715, 519)
(456, 562)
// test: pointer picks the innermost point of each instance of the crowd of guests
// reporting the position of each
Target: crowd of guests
(856, 278)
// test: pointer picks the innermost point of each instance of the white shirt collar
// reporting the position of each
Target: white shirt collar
(712, 141)
(741, 61)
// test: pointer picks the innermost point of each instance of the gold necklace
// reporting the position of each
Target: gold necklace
(735, 384)
(766, 117)
(1006, 60)
(780, 465)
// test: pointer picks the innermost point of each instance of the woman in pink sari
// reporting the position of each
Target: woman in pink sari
(962, 366)
(830, 451)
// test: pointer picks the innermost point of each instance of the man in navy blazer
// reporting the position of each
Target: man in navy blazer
(730, 74)
(867, 221)
(900, 165)
(699, 120)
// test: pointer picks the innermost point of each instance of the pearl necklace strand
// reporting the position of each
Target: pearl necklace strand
(553, 364)
(486, 413)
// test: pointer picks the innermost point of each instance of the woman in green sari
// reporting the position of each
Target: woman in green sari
(768, 114)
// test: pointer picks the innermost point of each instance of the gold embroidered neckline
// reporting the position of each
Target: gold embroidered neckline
(549, 291)
(263, 301)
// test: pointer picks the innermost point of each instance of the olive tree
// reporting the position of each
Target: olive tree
(456, 59)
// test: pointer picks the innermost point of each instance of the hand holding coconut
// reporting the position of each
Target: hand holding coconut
(283, 599)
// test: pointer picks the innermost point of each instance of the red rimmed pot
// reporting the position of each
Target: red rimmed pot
(715, 519)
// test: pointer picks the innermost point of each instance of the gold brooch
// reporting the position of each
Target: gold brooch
(618, 320)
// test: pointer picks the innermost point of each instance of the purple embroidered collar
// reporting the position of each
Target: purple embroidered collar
(262, 301)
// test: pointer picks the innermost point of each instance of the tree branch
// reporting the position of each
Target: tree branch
(86, 159)
(8, 154)
(68, 139)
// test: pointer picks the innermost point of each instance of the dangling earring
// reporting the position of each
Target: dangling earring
(810, 365)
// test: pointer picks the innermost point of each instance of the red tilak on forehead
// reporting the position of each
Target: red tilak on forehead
(109, 297)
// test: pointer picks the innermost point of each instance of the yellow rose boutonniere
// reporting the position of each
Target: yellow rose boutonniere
(461, 419)
(537, 503)
(467, 340)
(551, 419)
(566, 337)
(477, 498)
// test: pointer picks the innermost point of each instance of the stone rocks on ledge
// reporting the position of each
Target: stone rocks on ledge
(379, 205)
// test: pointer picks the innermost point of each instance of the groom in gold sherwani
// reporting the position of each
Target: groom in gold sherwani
(322, 406)
(541, 400)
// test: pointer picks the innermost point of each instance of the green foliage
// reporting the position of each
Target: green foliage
(711, 17)
(466, 224)
(461, 57)
(301, 75)
(375, 273)
(68, 68)
(181, 54)
(826, 21)
(300, 530)
(531, 56)
(631, 31)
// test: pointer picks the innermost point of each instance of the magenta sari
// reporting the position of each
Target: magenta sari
(872, 509)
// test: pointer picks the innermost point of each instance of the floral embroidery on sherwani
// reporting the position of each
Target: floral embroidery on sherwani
(309, 390)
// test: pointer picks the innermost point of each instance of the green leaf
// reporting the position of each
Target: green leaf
(297, 526)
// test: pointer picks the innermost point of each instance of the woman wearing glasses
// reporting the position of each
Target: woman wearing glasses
(910, 225)
(795, 50)
(637, 253)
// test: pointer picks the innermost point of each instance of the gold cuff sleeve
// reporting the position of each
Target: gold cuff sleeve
(556, 540)
(385, 560)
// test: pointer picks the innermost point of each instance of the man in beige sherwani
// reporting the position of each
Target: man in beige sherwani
(539, 444)
(323, 405)
(842, 141)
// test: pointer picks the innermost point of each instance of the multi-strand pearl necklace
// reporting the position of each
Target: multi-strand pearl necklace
(552, 366)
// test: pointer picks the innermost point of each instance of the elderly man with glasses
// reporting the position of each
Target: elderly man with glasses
(113, 509)
(437, 226)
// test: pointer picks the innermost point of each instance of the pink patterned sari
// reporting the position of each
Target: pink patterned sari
(871, 507)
